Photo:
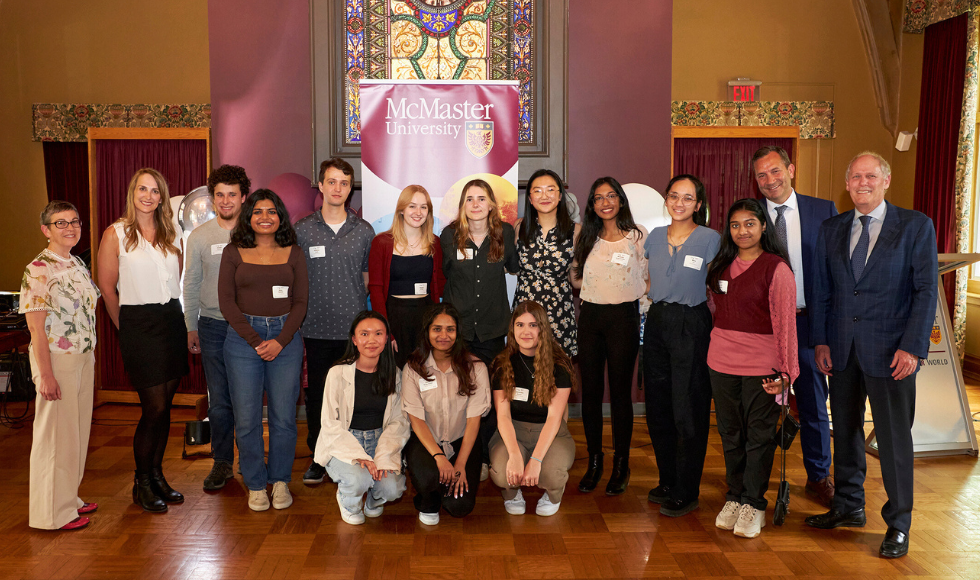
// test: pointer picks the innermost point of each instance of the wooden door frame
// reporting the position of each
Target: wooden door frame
(726, 132)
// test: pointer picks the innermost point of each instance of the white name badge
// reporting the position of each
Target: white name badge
(693, 262)
(421, 289)
(521, 394)
(468, 255)
(621, 258)
(425, 385)
(723, 284)
(318, 251)
(216, 249)
(280, 291)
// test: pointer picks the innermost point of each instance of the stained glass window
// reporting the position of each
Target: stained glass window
(439, 39)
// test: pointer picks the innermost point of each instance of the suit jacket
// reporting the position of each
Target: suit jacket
(813, 212)
(892, 306)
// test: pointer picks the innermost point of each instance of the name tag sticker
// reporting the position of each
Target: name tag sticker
(521, 394)
(280, 291)
(693, 262)
(421, 289)
(318, 251)
(425, 385)
(216, 249)
(621, 258)
(723, 284)
(468, 255)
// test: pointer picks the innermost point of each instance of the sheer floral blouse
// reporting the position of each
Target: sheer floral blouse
(63, 288)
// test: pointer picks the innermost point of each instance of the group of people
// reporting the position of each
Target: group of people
(443, 381)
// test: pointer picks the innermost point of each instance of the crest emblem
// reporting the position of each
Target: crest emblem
(479, 137)
(936, 336)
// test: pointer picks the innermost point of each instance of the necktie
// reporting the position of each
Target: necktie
(781, 226)
(859, 257)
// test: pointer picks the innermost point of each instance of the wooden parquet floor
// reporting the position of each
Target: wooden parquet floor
(216, 536)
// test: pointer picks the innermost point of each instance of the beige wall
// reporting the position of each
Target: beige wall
(64, 51)
(799, 53)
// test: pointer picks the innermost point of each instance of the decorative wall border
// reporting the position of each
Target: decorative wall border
(70, 122)
(922, 13)
(814, 118)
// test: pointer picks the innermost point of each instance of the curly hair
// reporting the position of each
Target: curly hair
(229, 175)
(495, 225)
(244, 237)
(459, 357)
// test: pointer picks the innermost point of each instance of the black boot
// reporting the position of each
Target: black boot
(144, 497)
(592, 475)
(163, 490)
(620, 476)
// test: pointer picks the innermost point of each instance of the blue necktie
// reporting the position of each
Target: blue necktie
(859, 257)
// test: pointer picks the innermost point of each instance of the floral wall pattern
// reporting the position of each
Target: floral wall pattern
(964, 175)
(814, 118)
(921, 13)
(70, 122)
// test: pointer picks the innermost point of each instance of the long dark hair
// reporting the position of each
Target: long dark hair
(592, 224)
(701, 214)
(243, 236)
(729, 249)
(387, 371)
(459, 356)
(529, 225)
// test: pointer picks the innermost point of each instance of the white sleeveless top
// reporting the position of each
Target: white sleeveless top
(146, 276)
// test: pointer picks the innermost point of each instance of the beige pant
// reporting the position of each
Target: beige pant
(61, 430)
(554, 465)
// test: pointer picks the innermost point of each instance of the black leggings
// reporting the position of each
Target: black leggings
(430, 495)
(150, 440)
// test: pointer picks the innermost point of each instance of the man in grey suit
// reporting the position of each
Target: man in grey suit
(874, 307)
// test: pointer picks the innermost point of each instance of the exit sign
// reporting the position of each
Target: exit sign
(744, 90)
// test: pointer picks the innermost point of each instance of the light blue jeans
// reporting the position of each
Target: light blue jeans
(249, 377)
(353, 481)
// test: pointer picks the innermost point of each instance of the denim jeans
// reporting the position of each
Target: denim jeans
(212, 332)
(249, 377)
(353, 481)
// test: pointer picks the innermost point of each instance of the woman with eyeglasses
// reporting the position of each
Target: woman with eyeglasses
(675, 345)
(58, 298)
(610, 267)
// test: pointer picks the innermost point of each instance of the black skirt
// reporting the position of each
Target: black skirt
(153, 342)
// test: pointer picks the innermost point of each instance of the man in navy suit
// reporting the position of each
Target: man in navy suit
(797, 219)
(876, 285)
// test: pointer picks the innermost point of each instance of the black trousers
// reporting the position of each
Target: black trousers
(747, 417)
(678, 393)
(893, 409)
(486, 351)
(430, 495)
(608, 334)
(320, 356)
(405, 319)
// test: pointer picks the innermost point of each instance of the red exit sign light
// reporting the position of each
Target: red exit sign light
(744, 90)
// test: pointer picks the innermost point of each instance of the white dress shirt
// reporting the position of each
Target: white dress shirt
(794, 238)
(874, 228)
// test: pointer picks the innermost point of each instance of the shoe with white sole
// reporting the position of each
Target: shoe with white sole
(516, 506)
(352, 518)
(258, 500)
(429, 519)
(750, 522)
(728, 515)
(281, 498)
(546, 507)
(373, 508)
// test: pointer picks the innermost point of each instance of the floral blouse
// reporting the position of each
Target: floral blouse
(62, 287)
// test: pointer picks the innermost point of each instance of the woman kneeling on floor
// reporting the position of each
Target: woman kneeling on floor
(531, 384)
(363, 425)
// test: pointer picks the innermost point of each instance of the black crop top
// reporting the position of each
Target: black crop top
(406, 272)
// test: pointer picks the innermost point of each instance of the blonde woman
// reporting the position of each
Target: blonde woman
(139, 276)
(405, 270)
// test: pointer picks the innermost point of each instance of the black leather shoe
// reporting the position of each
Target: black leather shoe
(619, 479)
(592, 475)
(835, 519)
(163, 490)
(676, 508)
(659, 494)
(895, 545)
(144, 497)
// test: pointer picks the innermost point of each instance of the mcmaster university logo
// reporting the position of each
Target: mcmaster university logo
(479, 137)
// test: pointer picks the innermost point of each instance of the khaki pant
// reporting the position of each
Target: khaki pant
(554, 465)
(61, 431)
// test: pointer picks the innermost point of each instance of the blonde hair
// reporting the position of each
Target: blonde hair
(886, 168)
(495, 225)
(163, 216)
(398, 221)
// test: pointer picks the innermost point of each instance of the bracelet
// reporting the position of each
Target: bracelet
(536, 459)
(434, 455)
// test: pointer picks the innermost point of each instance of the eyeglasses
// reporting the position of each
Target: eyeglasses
(62, 224)
(686, 200)
(608, 197)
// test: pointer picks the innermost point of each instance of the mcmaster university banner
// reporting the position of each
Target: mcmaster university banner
(438, 135)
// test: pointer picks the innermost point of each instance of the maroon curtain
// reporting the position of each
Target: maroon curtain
(722, 164)
(940, 104)
(183, 163)
(66, 173)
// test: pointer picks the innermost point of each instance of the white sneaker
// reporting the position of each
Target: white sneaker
(545, 506)
(429, 519)
(373, 508)
(258, 501)
(750, 522)
(352, 518)
(484, 472)
(516, 506)
(728, 515)
(281, 498)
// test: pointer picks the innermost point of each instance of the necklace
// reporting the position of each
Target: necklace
(521, 356)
